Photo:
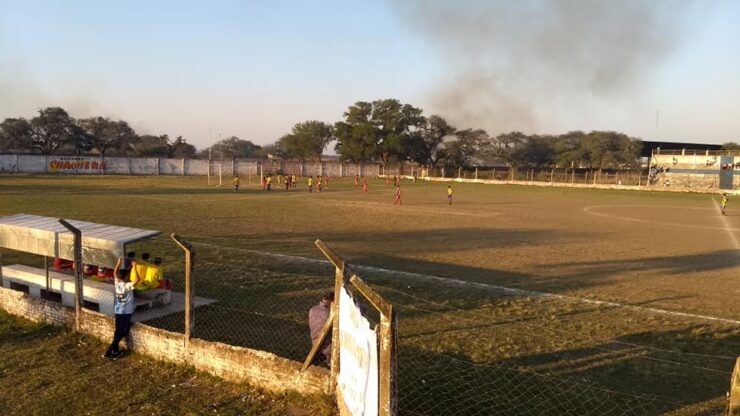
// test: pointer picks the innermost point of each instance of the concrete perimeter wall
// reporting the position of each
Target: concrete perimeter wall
(570, 185)
(258, 368)
(95, 165)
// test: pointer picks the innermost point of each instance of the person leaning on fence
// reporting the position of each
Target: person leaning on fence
(123, 308)
(317, 317)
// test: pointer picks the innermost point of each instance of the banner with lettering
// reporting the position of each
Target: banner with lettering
(358, 359)
(76, 164)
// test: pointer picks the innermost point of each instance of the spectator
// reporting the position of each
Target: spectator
(153, 278)
(317, 317)
(123, 308)
(139, 268)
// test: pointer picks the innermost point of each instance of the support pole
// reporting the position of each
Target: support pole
(338, 287)
(476, 173)
(220, 180)
(189, 259)
(78, 269)
(46, 271)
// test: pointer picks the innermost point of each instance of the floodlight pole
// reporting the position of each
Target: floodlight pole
(78, 269)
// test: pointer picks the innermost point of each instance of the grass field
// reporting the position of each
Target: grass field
(49, 371)
(662, 265)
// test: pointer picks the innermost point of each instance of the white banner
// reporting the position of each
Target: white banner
(358, 359)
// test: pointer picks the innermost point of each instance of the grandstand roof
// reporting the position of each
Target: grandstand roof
(649, 146)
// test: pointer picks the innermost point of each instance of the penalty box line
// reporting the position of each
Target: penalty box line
(511, 290)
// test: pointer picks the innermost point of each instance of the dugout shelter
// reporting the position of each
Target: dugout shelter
(102, 245)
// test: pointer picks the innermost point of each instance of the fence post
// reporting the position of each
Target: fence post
(493, 174)
(188, 286)
(476, 173)
(459, 172)
(78, 269)
(552, 172)
(338, 286)
(46, 272)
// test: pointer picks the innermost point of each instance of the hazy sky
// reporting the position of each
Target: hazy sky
(253, 69)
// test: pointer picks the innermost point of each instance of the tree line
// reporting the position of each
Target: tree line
(388, 131)
(385, 131)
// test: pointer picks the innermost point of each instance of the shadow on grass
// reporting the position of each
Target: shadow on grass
(624, 378)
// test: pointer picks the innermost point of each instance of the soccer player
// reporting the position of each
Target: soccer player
(449, 194)
(292, 181)
(357, 181)
(236, 183)
(264, 182)
(310, 184)
(269, 181)
(723, 205)
(318, 183)
(398, 196)
(364, 186)
(287, 183)
(326, 182)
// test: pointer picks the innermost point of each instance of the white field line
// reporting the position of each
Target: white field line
(521, 292)
(592, 210)
(727, 227)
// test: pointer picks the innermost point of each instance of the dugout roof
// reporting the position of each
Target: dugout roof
(102, 244)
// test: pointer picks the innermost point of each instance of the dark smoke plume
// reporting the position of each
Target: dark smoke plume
(538, 64)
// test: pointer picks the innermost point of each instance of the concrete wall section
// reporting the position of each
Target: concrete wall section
(11, 163)
(8, 163)
(259, 368)
(144, 166)
(117, 166)
(171, 166)
(32, 163)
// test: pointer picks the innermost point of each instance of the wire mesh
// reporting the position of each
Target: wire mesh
(468, 350)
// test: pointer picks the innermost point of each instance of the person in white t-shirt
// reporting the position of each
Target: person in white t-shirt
(123, 308)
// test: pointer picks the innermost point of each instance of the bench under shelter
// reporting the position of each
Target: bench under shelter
(102, 245)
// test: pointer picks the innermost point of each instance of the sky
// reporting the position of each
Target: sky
(254, 68)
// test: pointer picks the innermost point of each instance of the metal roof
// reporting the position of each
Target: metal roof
(102, 244)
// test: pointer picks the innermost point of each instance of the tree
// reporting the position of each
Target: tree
(731, 146)
(105, 134)
(568, 149)
(534, 152)
(270, 151)
(465, 150)
(181, 149)
(380, 130)
(605, 149)
(15, 135)
(307, 140)
(51, 129)
(232, 148)
(149, 145)
(426, 146)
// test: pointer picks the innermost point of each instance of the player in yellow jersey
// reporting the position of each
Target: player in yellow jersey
(236, 183)
(723, 205)
(449, 194)
(310, 184)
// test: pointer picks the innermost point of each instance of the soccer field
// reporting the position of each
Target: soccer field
(513, 300)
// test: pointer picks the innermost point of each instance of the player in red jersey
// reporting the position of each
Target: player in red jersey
(398, 196)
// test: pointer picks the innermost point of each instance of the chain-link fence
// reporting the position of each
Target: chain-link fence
(472, 349)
